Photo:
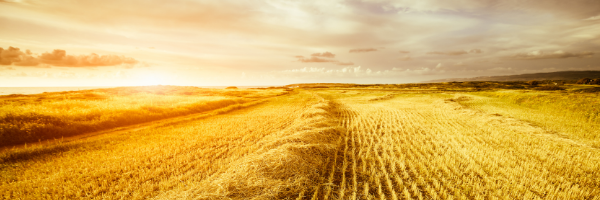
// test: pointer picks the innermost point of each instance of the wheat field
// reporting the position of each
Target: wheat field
(423, 147)
(321, 144)
(30, 118)
(267, 151)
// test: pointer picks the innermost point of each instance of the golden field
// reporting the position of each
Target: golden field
(411, 141)
(30, 118)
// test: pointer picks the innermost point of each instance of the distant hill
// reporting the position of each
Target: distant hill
(320, 85)
(564, 75)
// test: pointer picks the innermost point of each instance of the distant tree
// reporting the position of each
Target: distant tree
(549, 87)
(533, 82)
(583, 81)
(231, 87)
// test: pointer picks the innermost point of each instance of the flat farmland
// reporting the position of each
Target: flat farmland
(319, 143)
(427, 146)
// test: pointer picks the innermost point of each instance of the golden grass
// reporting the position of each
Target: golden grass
(30, 118)
(570, 115)
(422, 147)
(328, 144)
(386, 97)
(269, 151)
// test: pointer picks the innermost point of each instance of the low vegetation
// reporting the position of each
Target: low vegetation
(269, 152)
(572, 115)
(30, 118)
(550, 87)
(418, 146)
(472, 140)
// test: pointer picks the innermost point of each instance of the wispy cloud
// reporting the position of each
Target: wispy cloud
(324, 54)
(449, 53)
(475, 51)
(593, 18)
(344, 63)
(6, 68)
(405, 58)
(313, 59)
(362, 50)
(322, 58)
(359, 71)
(346, 71)
(537, 55)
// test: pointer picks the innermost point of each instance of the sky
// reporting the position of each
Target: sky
(54, 43)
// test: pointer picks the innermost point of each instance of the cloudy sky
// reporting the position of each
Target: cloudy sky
(276, 42)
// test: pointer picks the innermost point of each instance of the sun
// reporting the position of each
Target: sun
(150, 78)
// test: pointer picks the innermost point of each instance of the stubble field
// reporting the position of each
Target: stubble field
(334, 143)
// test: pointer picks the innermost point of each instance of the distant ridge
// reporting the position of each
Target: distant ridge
(563, 75)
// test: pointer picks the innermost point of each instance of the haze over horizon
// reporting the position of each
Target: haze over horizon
(265, 42)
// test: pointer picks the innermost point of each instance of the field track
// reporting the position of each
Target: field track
(136, 127)
(419, 147)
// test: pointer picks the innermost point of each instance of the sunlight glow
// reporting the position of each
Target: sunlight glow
(150, 78)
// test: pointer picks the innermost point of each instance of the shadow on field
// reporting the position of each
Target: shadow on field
(43, 151)
(67, 144)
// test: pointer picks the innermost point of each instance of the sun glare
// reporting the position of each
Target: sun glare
(150, 79)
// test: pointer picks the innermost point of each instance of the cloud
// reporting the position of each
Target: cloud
(359, 71)
(6, 68)
(362, 50)
(405, 58)
(325, 54)
(460, 64)
(58, 57)
(313, 59)
(344, 63)
(537, 55)
(17, 57)
(346, 71)
(316, 58)
(228, 34)
(475, 51)
(449, 53)
(593, 18)
(573, 8)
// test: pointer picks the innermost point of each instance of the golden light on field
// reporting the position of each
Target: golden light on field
(413, 141)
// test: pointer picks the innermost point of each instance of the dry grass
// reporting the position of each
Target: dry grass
(271, 151)
(381, 98)
(549, 87)
(329, 145)
(30, 118)
(570, 115)
(421, 147)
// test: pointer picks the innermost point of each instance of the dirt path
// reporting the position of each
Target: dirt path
(422, 147)
(131, 128)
